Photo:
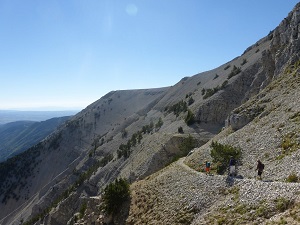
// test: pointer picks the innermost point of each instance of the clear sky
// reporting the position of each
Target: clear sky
(69, 53)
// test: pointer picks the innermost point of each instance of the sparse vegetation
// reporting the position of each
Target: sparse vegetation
(293, 69)
(295, 117)
(83, 208)
(235, 71)
(241, 213)
(106, 159)
(188, 95)
(216, 76)
(283, 204)
(159, 124)
(289, 144)
(191, 101)
(210, 92)
(177, 108)
(224, 84)
(125, 149)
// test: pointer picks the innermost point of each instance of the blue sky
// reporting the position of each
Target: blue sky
(67, 54)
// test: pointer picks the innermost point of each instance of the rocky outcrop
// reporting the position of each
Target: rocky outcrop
(285, 44)
(238, 120)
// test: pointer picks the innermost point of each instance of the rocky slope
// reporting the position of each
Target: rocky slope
(134, 133)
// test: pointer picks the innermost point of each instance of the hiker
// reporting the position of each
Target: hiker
(260, 167)
(207, 167)
(232, 166)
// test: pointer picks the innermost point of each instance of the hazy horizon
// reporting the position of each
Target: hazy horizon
(43, 109)
(8, 116)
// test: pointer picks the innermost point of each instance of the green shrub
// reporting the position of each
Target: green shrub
(224, 84)
(190, 118)
(187, 145)
(221, 155)
(244, 62)
(124, 133)
(115, 194)
(159, 123)
(227, 67)
(211, 92)
(180, 130)
(106, 159)
(82, 209)
(188, 95)
(191, 101)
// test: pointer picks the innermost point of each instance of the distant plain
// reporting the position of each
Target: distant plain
(7, 116)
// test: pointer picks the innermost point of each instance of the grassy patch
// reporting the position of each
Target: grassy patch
(289, 144)
(283, 204)
(292, 178)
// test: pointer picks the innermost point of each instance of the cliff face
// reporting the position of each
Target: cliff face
(283, 50)
(134, 133)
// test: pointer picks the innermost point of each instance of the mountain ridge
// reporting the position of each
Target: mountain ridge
(18, 136)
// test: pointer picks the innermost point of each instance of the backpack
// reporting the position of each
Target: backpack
(232, 162)
(261, 167)
(208, 164)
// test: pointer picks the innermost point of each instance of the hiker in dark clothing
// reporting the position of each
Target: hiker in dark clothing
(232, 166)
(260, 167)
